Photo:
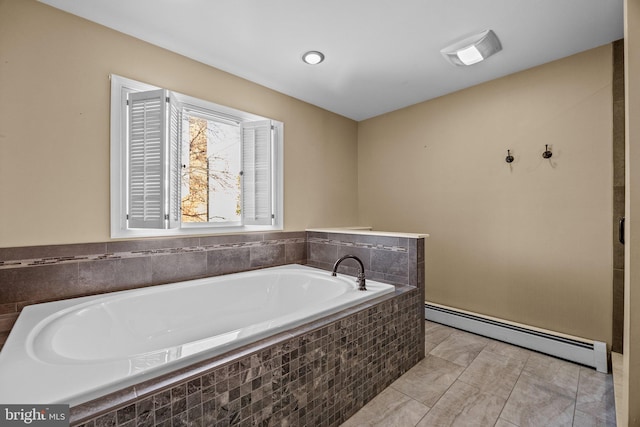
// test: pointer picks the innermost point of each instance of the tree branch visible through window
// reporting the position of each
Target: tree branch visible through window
(206, 172)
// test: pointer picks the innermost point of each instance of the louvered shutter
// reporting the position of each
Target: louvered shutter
(256, 173)
(175, 132)
(153, 151)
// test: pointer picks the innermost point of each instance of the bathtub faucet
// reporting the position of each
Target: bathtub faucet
(360, 279)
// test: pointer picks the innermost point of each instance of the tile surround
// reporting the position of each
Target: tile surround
(386, 258)
(316, 375)
(32, 275)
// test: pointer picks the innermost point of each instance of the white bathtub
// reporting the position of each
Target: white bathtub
(75, 350)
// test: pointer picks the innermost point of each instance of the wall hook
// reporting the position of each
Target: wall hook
(509, 157)
(547, 154)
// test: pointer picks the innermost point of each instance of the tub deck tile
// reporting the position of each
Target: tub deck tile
(319, 374)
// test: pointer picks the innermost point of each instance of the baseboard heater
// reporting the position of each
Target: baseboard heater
(584, 352)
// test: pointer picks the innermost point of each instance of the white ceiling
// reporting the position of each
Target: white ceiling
(381, 55)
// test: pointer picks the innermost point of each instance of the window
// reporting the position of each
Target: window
(182, 165)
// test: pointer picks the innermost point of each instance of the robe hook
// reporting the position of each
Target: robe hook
(509, 157)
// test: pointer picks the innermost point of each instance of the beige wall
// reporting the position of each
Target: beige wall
(530, 242)
(631, 351)
(54, 127)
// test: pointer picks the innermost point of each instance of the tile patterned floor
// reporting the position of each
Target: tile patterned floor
(467, 380)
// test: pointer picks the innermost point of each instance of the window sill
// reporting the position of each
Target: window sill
(190, 231)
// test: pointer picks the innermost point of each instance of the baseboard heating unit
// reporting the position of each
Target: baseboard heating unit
(584, 352)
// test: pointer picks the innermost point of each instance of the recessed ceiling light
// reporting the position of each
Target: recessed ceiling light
(313, 57)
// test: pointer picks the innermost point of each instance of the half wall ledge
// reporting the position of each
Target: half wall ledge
(367, 231)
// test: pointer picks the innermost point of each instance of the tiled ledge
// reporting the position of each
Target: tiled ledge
(368, 231)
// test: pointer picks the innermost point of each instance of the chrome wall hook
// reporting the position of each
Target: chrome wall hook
(547, 154)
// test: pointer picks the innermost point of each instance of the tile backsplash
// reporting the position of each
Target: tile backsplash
(30, 275)
(385, 258)
(319, 374)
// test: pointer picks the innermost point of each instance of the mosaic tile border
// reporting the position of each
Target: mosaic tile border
(318, 377)
(141, 253)
(189, 249)
(385, 258)
(364, 245)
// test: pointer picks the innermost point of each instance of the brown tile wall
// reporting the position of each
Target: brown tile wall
(395, 260)
(318, 377)
(319, 374)
(30, 275)
(387, 259)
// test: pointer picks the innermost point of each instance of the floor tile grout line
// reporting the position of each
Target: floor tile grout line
(605, 419)
(575, 403)
(522, 370)
(524, 365)
(526, 371)
(436, 402)
(415, 400)
(470, 363)
(454, 381)
(459, 375)
(484, 393)
(411, 397)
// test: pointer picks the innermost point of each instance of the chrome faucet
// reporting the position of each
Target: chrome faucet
(360, 279)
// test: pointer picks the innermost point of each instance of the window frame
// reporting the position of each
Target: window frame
(120, 87)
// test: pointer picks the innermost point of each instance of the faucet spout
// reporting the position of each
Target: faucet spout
(360, 279)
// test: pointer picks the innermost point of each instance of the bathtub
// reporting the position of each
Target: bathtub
(75, 350)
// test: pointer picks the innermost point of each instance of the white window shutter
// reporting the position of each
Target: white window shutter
(175, 132)
(256, 173)
(152, 154)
